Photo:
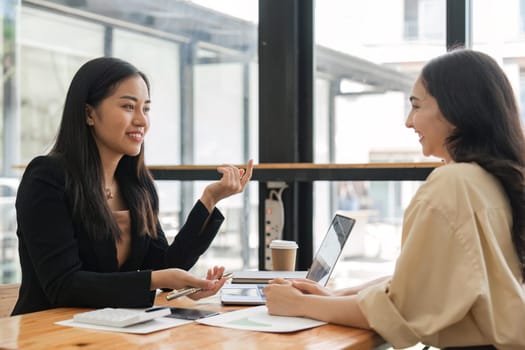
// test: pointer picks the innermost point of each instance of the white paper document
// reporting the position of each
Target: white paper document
(141, 328)
(257, 319)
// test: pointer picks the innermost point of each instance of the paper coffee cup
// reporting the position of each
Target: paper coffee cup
(283, 255)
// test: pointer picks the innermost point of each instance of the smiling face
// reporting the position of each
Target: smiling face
(120, 122)
(429, 123)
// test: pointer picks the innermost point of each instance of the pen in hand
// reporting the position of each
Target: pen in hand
(189, 290)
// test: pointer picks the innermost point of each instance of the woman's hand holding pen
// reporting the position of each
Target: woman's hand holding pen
(196, 288)
(217, 277)
(178, 279)
(233, 181)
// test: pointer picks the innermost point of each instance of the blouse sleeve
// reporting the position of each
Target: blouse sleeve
(435, 283)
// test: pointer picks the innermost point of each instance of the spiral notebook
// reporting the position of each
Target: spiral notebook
(246, 287)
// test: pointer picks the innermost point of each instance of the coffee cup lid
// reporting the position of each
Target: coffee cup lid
(280, 244)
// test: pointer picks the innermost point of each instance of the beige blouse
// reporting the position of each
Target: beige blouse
(124, 245)
(457, 281)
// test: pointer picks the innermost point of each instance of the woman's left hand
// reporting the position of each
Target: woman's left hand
(282, 298)
(233, 181)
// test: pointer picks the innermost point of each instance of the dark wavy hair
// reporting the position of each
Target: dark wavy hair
(474, 95)
(75, 146)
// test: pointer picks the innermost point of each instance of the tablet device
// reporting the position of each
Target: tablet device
(243, 294)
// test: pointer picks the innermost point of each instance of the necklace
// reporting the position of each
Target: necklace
(108, 192)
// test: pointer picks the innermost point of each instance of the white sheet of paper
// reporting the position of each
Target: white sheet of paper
(257, 319)
(141, 328)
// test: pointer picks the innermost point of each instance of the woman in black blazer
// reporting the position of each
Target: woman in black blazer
(87, 212)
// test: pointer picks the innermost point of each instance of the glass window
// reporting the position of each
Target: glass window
(497, 29)
(424, 19)
(219, 94)
(411, 23)
(522, 16)
(7, 49)
(225, 122)
(372, 69)
(364, 77)
(201, 59)
(375, 241)
(48, 60)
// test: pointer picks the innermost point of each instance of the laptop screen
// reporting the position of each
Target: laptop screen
(246, 286)
(330, 249)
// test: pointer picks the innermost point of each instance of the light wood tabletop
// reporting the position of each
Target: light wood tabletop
(38, 331)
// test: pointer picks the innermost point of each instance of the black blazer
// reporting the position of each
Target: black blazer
(62, 266)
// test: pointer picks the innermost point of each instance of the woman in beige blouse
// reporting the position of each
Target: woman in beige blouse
(458, 281)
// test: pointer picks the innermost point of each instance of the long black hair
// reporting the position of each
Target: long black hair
(474, 95)
(75, 146)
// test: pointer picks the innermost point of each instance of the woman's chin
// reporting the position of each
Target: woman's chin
(133, 153)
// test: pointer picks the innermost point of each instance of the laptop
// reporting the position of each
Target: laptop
(247, 286)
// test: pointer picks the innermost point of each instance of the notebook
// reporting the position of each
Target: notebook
(246, 287)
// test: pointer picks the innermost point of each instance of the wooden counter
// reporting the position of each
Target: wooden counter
(38, 331)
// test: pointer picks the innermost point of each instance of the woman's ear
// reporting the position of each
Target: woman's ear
(89, 116)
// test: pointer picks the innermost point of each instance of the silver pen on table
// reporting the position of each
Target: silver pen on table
(189, 290)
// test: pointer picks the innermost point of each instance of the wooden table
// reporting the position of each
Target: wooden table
(38, 331)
